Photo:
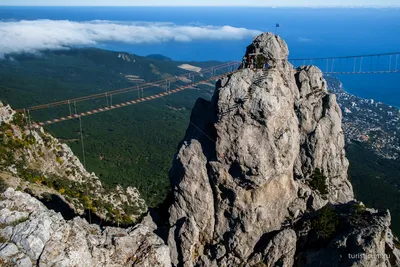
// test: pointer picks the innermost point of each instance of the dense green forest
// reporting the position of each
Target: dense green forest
(376, 181)
(134, 145)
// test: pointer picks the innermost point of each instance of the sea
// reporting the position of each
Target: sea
(309, 32)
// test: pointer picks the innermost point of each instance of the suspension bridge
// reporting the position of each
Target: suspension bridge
(361, 64)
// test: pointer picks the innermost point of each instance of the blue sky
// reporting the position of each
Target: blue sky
(200, 3)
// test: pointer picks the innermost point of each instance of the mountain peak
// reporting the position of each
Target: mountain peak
(263, 155)
(270, 46)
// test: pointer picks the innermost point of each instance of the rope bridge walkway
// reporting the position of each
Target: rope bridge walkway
(127, 103)
(167, 85)
(362, 64)
(160, 83)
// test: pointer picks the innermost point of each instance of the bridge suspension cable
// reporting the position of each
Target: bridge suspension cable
(358, 56)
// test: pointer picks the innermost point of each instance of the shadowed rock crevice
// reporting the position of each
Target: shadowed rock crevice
(57, 204)
(178, 228)
(54, 202)
(263, 241)
(239, 175)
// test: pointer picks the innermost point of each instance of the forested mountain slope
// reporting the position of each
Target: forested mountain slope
(129, 146)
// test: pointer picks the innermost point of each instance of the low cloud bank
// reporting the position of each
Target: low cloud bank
(33, 36)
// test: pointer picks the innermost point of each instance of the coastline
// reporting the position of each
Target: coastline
(347, 92)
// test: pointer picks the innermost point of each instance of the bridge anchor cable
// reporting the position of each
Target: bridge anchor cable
(84, 164)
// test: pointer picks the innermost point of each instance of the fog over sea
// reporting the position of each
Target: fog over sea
(309, 32)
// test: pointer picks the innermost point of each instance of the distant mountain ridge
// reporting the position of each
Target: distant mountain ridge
(159, 57)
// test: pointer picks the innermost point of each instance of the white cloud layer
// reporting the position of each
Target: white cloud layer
(33, 36)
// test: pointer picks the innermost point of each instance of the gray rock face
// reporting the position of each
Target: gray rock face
(268, 147)
(270, 47)
(321, 135)
(31, 235)
(280, 249)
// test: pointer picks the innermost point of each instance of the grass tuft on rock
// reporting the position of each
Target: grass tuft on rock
(318, 182)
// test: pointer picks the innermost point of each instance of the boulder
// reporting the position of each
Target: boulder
(37, 236)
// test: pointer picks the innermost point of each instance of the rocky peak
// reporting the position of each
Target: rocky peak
(270, 47)
(267, 151)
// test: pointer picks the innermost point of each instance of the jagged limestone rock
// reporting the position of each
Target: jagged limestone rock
(280, 249)
(271, 47)
(196, 198)
(36, 236)
(264, 152)
(321, 135)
